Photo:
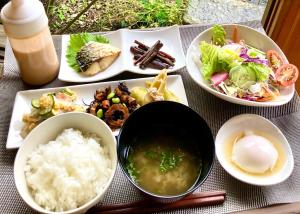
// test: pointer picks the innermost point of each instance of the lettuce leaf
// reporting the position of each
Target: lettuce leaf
(228, 59)
(209, 58)
(216, 59)
(76, 42)
(218, 35)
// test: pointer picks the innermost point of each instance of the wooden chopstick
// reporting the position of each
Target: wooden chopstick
(148, 206)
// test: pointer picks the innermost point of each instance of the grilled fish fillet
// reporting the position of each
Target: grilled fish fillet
(95, 57)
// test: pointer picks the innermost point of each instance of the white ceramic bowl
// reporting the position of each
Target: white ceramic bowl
(253, 122)
(251, 37)
(48, 130)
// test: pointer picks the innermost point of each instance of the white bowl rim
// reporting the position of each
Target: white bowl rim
(283, 141)
(235, 99)
(87, 205)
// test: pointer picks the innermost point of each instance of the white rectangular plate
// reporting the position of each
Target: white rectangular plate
(123, 39)
(84, 92)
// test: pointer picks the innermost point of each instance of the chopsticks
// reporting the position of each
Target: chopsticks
(148, 206)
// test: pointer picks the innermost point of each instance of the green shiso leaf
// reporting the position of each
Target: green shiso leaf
(76, 42)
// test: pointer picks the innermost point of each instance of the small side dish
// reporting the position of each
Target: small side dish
(57, 172)
(90, 54)
(151, 57)
(253, 150)
(156, 90)
(48, 105)
(237, 69)
(114, 106)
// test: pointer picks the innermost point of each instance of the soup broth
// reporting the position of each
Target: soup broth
(162, 165)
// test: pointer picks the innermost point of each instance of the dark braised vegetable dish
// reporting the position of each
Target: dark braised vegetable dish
(151, 57)
(114, 106)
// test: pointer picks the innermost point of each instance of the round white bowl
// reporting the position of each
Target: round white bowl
(253, 38)
(48, 130)
(253, 122)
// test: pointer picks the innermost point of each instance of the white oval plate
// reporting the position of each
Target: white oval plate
(84, 92)
(123, 39)
(253, 38)
(254, 122)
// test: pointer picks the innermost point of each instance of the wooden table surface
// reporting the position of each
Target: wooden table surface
(275, 209)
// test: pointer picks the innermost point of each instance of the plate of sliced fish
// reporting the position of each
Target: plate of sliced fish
(94, 57)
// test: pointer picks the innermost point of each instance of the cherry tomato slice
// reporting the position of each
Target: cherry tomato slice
(286, 75)
(274, 59)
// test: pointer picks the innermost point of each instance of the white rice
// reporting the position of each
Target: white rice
(68, 172)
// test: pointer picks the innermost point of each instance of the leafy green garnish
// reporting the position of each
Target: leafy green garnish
(151, 154)
(218, 35)
(133, 172)
(169, 160)
(75, 44)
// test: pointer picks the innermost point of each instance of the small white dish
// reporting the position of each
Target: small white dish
(253, 38)
(254, 123)
(123, 39)
(49, 130)
(84, 92)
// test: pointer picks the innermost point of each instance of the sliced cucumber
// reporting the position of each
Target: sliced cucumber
(67, 91)
(35, 103)
(48, 109)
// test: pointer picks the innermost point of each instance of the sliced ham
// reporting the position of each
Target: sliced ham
(219, 77)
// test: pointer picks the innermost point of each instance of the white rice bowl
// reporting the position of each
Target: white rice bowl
(68, 172)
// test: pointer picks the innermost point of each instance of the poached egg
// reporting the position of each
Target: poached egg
(254, 153)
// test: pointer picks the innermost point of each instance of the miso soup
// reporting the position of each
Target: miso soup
(163, 164)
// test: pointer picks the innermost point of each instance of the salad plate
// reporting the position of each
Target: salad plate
(85, 93)
(123, 39)
(251, 37)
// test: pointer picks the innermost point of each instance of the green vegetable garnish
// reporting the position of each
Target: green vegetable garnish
(132, 171)
(76, 42)
(218, 35)
(151, 154)
(169, 160)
